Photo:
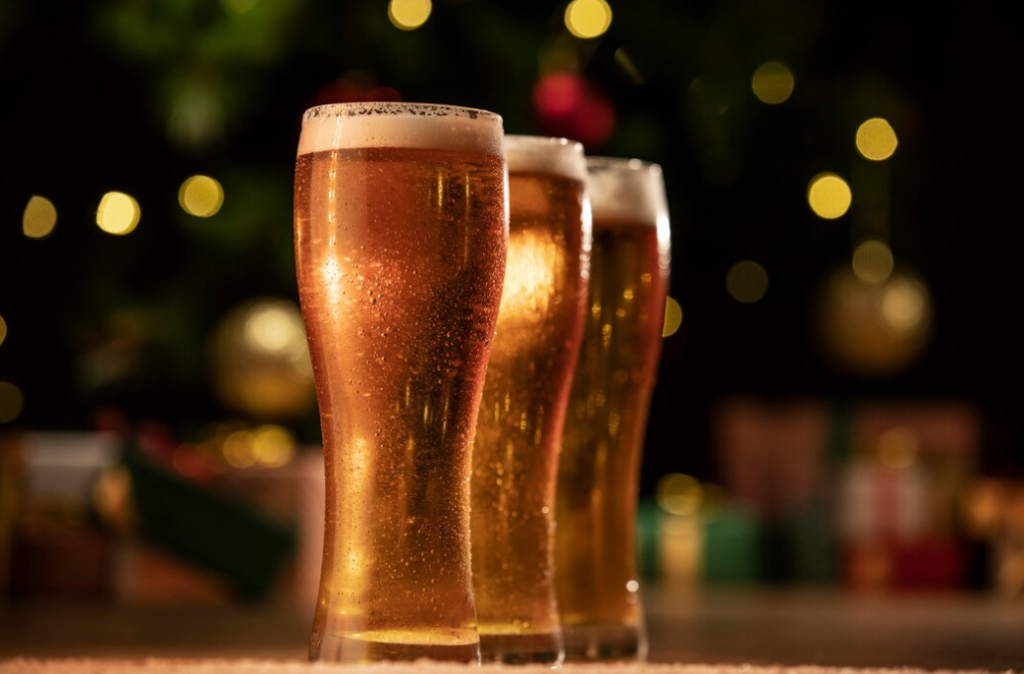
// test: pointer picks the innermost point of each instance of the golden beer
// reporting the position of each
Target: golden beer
(598, 587)
(400, 244)
(519, 428)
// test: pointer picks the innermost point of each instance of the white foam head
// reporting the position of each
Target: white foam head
(630, 190)
(344, 126)
(540, 154)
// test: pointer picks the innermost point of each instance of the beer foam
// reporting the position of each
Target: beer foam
(346, 126)
(554, 156)
(627, 190)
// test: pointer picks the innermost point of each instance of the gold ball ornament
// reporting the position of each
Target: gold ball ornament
(874, 329)
(261, 360)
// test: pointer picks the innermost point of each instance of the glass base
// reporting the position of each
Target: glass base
(521, 649)
(397, 645)
(604, 643)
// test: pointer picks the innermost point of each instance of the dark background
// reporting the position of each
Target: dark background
(95, 95)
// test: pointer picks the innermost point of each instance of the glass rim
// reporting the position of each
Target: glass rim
(398, 109)
(621, 164)
(530, 139)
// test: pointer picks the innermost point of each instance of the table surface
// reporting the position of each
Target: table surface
(783, 628)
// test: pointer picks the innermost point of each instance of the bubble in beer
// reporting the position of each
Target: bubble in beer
(118, 213)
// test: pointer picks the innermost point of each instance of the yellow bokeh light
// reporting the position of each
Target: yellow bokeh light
(588, 19)
(679, 494)
(276, 328)
(118, 213)
(673, 317)
(239, 450)
(829, 196)
(11, 402)
(873, 261)
(876, 139)
(773, 83)
(201, 196)
(273, 446)
(905, 304)
(746, 281)
(409, 14)
(39, 218)
(897, 448)
(3, 329)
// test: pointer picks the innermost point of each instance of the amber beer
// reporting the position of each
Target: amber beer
(519, 428)
(400, 243)
(598, 587)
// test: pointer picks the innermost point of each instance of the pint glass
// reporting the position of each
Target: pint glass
(519, 428)
(598, 587)
(401, 226)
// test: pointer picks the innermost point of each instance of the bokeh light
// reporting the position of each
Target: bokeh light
(679, 494)
(277, 329)
(897, 448)
(905, 304)
(3, 329)
(239, 6)
(873, 261)
(118, 213)
(587, 19)
(773, 83)
(39, 218)
(238, 449)
(11, 402)
(829, 196)
(409, 14)
(201, 196)
(746, 281)
(673, 317)
(876, 139)
(273, 446)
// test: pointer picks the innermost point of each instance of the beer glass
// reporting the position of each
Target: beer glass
(597, 583)
(401, 227)
(519, 427)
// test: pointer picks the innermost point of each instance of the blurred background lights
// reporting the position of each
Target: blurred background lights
(897, 448)
(39, 218)
(239, 6)
(276, 329)
(876, 139)
(829, 196)
(746, 281)
(587, 19)
(772, 83)
(409, 14)
(201, 196)
(273, 446)
(679, 494)
(11, 402)
(673, 317)
(3, 329)
(872, 261)
(118, 213)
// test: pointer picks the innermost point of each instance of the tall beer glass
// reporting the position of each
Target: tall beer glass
(598, 587)
(519, 428)
(401, 226)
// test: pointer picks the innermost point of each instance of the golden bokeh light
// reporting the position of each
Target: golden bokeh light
(118, 213)
(679, 494)
(11, 402)
(829, 196)
(276, 329)
(3, 329)
(873, 261)
(876, 139)
(409, 14)
(239, 450)
(897, 448)
(273, 446)
(587, 19)
(39, 218)
(905, 304)
(201, 196)
(746, 281)
(673, 317)
(773, 83)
